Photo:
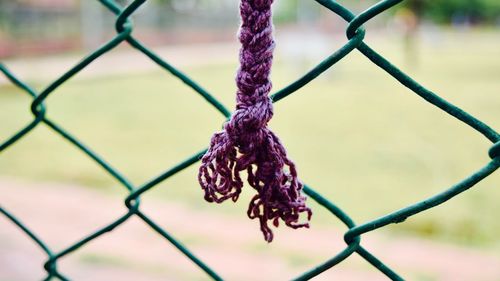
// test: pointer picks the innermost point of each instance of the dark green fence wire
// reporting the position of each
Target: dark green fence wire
(355, 35)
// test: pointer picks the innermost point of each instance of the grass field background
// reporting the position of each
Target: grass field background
(357, 136)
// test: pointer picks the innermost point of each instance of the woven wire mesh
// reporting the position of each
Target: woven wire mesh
(355, 34)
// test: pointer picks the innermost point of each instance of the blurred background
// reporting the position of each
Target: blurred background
(357, 136)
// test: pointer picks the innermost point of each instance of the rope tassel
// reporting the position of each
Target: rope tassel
(246, 143)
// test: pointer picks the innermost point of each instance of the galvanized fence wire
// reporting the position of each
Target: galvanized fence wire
(355, 35)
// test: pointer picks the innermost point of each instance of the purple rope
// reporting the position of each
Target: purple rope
(246, 143)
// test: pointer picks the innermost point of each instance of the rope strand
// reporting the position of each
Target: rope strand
(246, 143)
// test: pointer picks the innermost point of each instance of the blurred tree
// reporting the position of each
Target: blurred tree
(409, 17)
(456, 11)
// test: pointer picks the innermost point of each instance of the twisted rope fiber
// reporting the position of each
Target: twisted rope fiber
(355, 34)
(246, 143)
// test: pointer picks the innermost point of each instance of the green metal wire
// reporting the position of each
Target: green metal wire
(355, 34)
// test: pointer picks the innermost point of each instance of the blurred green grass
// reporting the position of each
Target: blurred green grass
(357, 136)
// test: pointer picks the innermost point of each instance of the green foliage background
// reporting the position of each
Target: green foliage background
(438, 11)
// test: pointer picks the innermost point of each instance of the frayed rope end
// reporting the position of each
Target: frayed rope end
(270, 173)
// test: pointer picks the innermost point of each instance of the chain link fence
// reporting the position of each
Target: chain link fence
(355, 33)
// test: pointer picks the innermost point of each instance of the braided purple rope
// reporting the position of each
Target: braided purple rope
(246, 143)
